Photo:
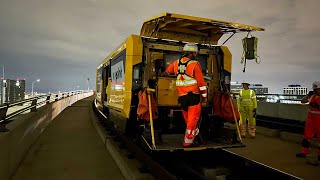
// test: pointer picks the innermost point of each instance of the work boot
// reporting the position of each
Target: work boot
(303, 155)
(194, 144)
(243, 130)
(252, 131)
(197, 141)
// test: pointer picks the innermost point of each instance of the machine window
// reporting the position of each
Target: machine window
(99, 79)
(137, 69)
(137, 76)
(118, 67)
(201, 58)
(170, 57)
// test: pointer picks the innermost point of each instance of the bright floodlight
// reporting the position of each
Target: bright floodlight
(38, 80)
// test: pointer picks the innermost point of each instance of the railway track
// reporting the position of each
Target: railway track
(286, 125)
(207, 164)
(217, 164)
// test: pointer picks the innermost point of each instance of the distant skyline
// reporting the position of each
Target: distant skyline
(62, 42)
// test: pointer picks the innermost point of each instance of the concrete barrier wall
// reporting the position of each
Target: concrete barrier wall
(297, 112)
(24, 130)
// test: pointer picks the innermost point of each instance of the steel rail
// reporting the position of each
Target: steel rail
(140, 155)
(177, 165)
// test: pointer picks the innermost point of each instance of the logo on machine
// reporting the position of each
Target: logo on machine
(117, 72)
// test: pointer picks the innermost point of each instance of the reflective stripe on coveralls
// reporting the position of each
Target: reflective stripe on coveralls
(314, 112)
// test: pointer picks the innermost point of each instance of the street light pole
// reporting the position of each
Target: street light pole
(32, 89)
(88, 83)
(38, 80)
(3, 87)
(2, 72)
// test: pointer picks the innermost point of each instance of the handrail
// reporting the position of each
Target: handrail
(4, 117)
(25, 100)
(280, 98)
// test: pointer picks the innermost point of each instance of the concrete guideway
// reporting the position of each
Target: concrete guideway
(278, 154)
(69, 148)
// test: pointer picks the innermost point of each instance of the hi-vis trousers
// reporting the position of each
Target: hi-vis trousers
(191, 111)
(312, 128)
(246, 113)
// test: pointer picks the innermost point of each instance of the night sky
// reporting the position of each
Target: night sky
(62, 41)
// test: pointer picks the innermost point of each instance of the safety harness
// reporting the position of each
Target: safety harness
(315, 106)
(184, 79)
(249, 50)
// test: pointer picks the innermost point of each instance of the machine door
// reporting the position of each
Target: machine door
(191, 29)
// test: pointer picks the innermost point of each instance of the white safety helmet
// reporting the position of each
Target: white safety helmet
(316, 85)
(245, 83)
(190, 47)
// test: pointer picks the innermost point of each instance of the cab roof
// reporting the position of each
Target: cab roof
(191, 29)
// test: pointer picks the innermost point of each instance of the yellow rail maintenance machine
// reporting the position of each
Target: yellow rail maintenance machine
(141, 59)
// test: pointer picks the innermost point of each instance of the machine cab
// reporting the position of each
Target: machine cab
(166, 35)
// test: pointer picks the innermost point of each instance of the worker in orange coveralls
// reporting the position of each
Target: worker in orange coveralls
(190, 84)
(312, 126)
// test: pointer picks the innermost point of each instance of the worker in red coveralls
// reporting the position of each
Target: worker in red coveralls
(312, 126)
(191, 91)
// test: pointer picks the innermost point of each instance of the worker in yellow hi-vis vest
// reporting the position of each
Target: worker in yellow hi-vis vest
(247, 104)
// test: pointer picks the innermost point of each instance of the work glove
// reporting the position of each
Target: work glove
(254, 112)
(311, 93)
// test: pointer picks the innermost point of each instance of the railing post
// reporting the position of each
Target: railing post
(3, 113)
(34, 104)
(48, 99)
